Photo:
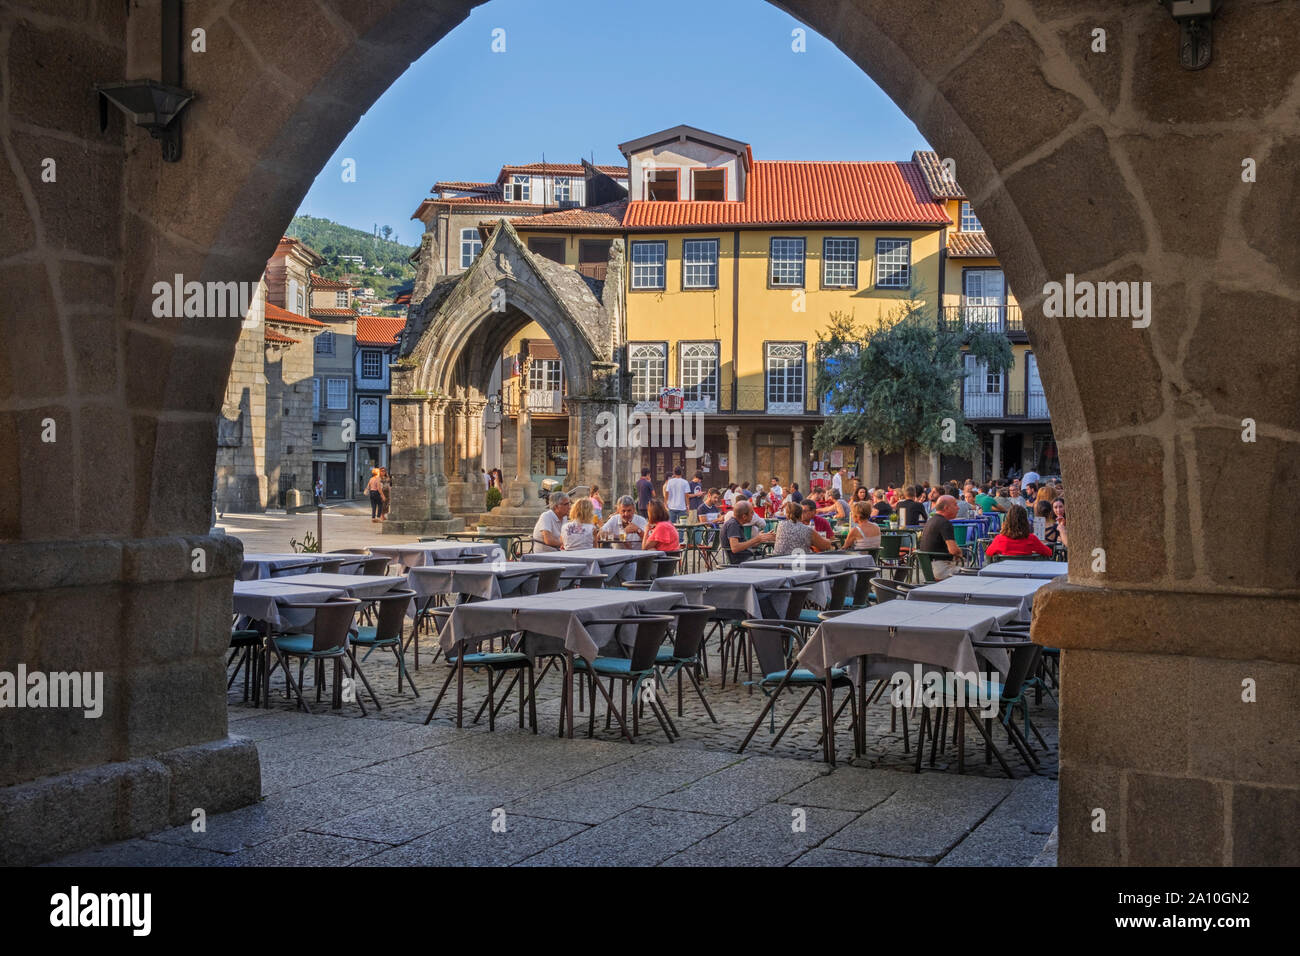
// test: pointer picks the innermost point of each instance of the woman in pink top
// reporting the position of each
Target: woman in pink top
(660, 533)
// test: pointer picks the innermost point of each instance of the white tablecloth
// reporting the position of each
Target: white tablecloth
(354, 585)
(970, 589)
(262, 600)
(921, 631)
(736, 589)
(615, 563)
(417, 554)
(1025, 569)
(553, 622)
(261, 565)
(828, 563)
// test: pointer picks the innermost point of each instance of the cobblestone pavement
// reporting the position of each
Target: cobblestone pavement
(384, 789)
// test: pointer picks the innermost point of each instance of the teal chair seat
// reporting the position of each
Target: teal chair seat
(302, 644)
(802, 676)
(366, 636)
(606, 665)
(497, 658)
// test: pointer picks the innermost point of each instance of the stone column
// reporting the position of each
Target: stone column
(998, 471)
(977, 465)
(437, 434)
(592, 459)
(934, 468)
(733, 452)
(798, 463)
(869, 467)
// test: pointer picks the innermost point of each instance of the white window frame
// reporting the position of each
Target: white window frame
(782, 251)
(644, 264)
(840, 262)
(700, 263)
(888, 260)
(648, 364)
(334, 401)
(544, 375)
(325, 343)
(698, 374)
(341, 299)
(969, 221)
(378, 406)
(791, 378)
(567, 185)
(315, 399)
(521, 187)
(471, 243)
(983, 395)
(377, 356)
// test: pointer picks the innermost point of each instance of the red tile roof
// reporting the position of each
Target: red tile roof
(970, 245)
(378, 330)
(782, 192)
(606, 218)
(936, 177)
(276, 314)
(465, 186)
(274, 337)
(561, 169)
(335, 313)
(325, 285)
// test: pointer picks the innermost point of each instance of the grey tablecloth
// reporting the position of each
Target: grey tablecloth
(736, 589)
(259, 565)
(828, 563)
(480, 580)
(970, 589)
(552, 622)
(1025, 569)
(921, 631)
(261, 600)
(615, 563)
(354, 585)
(420, 553)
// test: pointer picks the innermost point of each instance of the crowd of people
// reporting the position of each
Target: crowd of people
(807, 523)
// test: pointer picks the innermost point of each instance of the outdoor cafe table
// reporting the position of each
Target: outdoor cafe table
(490, 580)
(736, 589)
(261, 600)
(260, 565)
(417, 554)
(552, 623)
(917, 631)
(829, 562)
(1024, 569)
(971, 589)
(611, 562)
(363, 586)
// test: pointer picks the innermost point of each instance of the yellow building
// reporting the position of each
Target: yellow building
(735, 265)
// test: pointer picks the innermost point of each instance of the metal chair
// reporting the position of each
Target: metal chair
(375, 566)
(390, 619)
(774, 644)
(328, 640)
(631, 671)
(495, 663)
(685, 653)
(782, 605)
(548, 579)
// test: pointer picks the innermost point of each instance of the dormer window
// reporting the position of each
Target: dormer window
(661, 185)
(709, 185)
(518, 189)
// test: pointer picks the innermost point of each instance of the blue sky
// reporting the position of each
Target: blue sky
(578, 77)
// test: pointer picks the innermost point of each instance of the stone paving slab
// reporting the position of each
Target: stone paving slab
(742, 787)
(846, 788)
(305, 849)
(824, 857)
(141, 853)
(403, 818)
(772, 835)
(641, 837)
(1013, 834)
(472, 841)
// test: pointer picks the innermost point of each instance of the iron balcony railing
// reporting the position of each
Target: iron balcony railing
(991, 318)
(1004, 404)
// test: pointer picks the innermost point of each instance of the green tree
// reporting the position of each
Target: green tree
(896, 386)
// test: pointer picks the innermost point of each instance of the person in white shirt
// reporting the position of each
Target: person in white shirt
(837, 481)
(776, 491)
(676, 489)
(625, 521)
(548, 533)
(579, 530)
(1030, 478)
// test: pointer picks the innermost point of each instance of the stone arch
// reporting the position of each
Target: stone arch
(1008, 88)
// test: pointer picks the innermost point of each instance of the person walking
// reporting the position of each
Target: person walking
(645, 490)
(319, 491)
(676, 490)
(375, 488)
(385, 493)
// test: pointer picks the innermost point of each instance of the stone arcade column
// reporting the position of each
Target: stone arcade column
(591, 460)
(997, 434)
(869, 470)
(934, 468)
(733, 452)
(798, 461)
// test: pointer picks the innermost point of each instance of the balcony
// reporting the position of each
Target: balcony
(1024, 406)
(540, 401)
(992, 318)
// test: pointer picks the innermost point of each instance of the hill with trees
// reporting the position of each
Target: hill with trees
(334, 240)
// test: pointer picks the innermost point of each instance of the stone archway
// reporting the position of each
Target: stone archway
(1106, 167)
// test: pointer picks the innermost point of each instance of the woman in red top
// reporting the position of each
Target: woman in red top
(660, 533)
(1015, 539)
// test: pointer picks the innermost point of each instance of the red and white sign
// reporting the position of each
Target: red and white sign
(671, 400)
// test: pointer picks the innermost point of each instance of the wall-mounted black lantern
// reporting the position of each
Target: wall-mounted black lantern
(1193, 18)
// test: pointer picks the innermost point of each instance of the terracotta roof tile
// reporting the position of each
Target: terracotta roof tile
(807, 192)
(561, 169)
(276, 314)
(936, 175)
(465, 186)
(274, 337)
(970, 245)
(606, 218)
(335, 313)
(379, 330)
(325, 285)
